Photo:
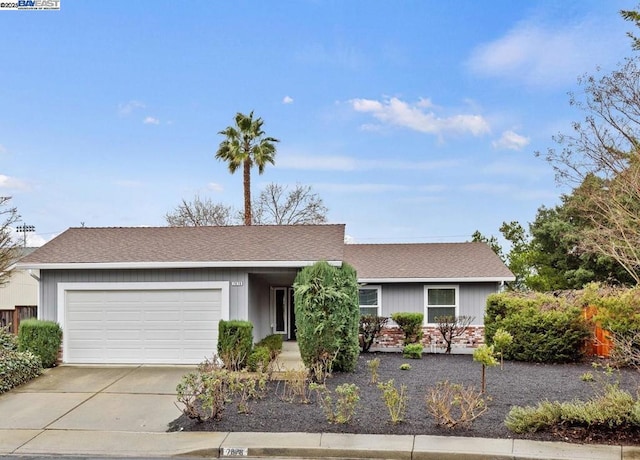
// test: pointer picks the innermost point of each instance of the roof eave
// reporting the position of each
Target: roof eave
(476, 279)
(169, 265)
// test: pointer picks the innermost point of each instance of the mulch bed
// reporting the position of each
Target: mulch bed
(517, 384)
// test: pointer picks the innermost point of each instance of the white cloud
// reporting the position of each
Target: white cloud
(395, 112)
(547, 56)
(287, 100)
(360, 188)
(215, 187)
(340, 55)
(344, 163)
(511, 140)
(33, 239)
(12, 183)
(317, 163)
(511, 167)
(151, 121)
(127, 107)
(490, 188)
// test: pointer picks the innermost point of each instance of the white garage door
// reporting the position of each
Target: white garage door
(172, 326)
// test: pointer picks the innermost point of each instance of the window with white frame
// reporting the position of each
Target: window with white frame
(369, 300)
(440, 301)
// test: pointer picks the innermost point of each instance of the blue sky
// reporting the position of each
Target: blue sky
(413, 120)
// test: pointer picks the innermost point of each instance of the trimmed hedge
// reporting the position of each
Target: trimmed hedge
(327, 317)
(544, 328)
(411, 325)
(412, 351)
(235, 341)
(259, 359)
(17, 367)
(273, 343)
(42, 338)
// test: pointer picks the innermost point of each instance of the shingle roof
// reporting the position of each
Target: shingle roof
(192, 244)
(426, 261)
(268, 245)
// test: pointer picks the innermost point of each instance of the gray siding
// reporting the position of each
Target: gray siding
(473, 300)
(259, 307)
(409, 297)
(49, 279)
(403, 297)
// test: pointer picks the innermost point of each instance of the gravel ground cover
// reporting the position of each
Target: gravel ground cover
(517, 384)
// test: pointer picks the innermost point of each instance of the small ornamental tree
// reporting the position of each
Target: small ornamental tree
(370, 329)
(484, 355)
(451, 327)
(327, 316)
(410, 324)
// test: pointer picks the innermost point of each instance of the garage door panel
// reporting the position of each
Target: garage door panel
(141, 326)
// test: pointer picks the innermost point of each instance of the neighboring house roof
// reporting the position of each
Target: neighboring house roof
(433, 262)
(171, 247)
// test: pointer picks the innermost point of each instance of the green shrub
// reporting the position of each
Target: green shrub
(453, 405)
(204, 392)
(17, 367)
(273, 343)
(235, 341)
(259, 359)
(405, 367)
(347, 397)
(412, 351)
(348, 312)
(42, 338)
(410, 324)
(8, 341)
(370, 329)
(611, 409)
(543, 328)
(327, 317)
(395, 399)
(373, 365)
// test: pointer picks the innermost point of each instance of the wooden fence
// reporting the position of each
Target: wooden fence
(600, 344)
(12, 318)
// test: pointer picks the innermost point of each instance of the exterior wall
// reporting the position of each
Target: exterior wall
(21, 289)
(409, 297)
(392, 340)
(49, 279)
(259, 307)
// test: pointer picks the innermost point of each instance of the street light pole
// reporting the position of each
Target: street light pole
(24, 229)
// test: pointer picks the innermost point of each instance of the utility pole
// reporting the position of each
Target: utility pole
(24, 229)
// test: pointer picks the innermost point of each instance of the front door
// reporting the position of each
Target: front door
(282, 312)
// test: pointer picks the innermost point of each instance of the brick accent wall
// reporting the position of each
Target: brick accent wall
(392, 339)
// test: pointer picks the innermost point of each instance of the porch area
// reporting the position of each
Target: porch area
(289, 359)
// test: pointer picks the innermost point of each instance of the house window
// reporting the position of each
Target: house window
(369, 300)
(441, 301)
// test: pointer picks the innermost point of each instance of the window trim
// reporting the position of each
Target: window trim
(456, 287)
(371, 287)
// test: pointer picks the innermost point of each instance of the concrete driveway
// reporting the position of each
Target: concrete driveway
(95, 398)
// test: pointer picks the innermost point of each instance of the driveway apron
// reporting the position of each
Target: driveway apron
(95, 398)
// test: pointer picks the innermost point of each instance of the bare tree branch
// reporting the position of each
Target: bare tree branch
(279, 206)
(198, 213)
(9, 249)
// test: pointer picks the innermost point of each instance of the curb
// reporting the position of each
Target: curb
(298, 445)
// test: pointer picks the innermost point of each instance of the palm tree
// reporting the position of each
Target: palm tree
(245, 144)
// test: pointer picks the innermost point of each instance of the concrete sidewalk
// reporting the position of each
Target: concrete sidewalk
(298, 445)
(107, 411)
